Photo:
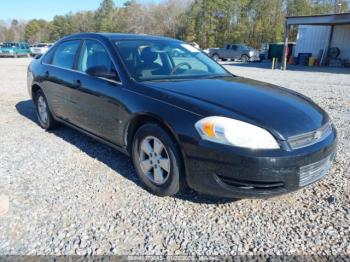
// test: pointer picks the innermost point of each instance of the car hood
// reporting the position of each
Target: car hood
(277, 109)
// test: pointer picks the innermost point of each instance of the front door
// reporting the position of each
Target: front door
(98, 98)
(235, 52)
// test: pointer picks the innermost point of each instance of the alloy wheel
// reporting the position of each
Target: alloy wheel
(154, 160)
(244, 58)
(42, 109)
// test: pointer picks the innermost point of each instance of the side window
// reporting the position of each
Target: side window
(47, 59)
(228, 47)
(93, 54)
(65, 54)
(234, 47)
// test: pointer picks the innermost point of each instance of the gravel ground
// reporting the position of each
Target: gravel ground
(71, 195)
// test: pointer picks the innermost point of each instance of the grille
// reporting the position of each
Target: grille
(315, 171)
(310, 138)
(250, 184)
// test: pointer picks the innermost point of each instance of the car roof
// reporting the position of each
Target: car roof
(120, 36)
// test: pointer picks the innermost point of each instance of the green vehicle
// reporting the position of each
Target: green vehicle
(14, 50)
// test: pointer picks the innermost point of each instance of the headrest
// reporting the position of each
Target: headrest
(148, 56)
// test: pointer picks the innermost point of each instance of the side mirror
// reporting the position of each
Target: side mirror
(102, 71)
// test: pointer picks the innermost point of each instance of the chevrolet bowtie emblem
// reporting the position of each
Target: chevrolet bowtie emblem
(318, 135)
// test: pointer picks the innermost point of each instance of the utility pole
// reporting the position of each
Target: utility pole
(285, 48)
(337, 6)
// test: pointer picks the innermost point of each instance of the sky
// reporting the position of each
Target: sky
(47, 9)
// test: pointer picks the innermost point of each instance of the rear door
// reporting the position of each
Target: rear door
(97, 98)
(21, 49)
(59, 78)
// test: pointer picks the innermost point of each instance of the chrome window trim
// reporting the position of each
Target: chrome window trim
(83, 73)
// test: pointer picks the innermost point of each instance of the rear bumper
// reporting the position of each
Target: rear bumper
(239, 173)
(7, 54)
(37, 53)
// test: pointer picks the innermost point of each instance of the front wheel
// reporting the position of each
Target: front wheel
(244, 58)
(157, 160)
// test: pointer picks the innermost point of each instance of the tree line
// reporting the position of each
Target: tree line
(207, 22)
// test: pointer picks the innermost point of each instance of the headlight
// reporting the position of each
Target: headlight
(236, 133)
(251, 53)
(11, 51)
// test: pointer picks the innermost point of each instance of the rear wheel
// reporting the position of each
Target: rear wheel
(216, 57)
(157, 160)
(44, 115)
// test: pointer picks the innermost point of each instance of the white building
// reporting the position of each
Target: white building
(312, 39)
(319, 33)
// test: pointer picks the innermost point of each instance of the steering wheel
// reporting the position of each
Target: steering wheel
(180, 65)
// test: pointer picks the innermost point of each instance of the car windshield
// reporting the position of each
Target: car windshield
(166, 60)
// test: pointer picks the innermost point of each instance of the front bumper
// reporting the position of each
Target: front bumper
(254, 58)
(225, 171)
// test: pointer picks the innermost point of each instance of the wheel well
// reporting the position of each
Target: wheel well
(140, 121)
(35, 89)
(146, 119)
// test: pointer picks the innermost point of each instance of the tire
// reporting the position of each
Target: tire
(42, 109)
(159, 181)
(216, 57)
(244, 58)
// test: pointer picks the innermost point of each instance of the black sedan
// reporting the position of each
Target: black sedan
(184, 120)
